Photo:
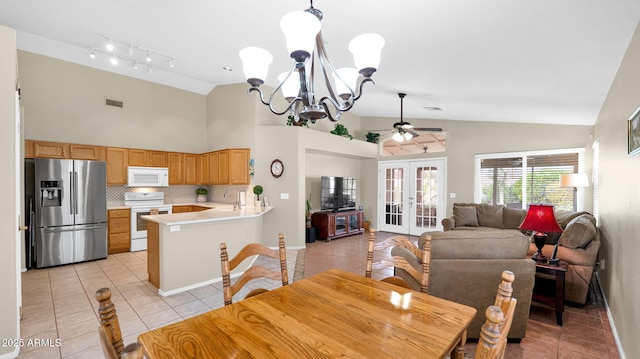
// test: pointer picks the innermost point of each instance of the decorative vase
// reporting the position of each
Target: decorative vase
(257, 203)
(201, 198)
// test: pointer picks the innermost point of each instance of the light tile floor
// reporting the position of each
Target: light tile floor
(59, 303)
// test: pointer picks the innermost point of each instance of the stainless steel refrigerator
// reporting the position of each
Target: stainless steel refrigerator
(68, 211)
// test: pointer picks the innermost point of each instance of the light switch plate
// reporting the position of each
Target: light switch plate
(284, 196)
(174, 228)
(452, 195)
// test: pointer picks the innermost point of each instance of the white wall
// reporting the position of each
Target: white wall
(9, 296)
(65, 102)
(619, 199)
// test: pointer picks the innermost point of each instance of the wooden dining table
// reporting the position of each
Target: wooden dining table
(328, 315)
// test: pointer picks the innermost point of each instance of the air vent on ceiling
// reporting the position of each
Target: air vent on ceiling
(114, 103)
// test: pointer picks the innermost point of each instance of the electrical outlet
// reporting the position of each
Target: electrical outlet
(601, 264)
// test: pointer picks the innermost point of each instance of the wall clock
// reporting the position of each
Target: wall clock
(277, 168)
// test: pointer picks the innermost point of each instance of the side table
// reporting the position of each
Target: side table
(547, 293)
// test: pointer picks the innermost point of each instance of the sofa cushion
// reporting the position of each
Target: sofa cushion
(465, 216)
(490, 215)
(579, 232)
(512, 217)
(496, 244)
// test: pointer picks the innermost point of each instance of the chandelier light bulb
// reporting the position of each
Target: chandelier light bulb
(366, 50)
(300, 29)
(255, 63)
(346, 79)
(291, 87)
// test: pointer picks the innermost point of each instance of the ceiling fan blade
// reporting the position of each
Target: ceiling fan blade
(414, 134)
(427, 129)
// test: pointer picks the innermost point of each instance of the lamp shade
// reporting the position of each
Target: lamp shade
(366, 50)
(574, 180)
(255, 63)
(540, 218)
(300, 29)
(398, 137)
(290, 87)
(346, 79)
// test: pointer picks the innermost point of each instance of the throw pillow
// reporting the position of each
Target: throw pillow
(490, 215)
(579, 232)
(465, 216)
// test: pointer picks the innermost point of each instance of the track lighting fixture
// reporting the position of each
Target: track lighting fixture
(117, 51)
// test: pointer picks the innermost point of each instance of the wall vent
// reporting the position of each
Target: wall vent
(114, 103)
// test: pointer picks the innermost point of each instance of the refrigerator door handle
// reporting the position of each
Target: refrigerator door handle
(75, 193)
(71, 197)
(60, 230)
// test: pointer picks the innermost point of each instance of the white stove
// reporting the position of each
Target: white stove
(142, 203)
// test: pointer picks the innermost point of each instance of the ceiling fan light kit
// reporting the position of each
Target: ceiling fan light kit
(404, 131)
(304, 42)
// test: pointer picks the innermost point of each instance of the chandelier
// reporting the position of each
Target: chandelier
(304, 43)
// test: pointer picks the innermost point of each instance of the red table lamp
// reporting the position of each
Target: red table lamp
(541, 220)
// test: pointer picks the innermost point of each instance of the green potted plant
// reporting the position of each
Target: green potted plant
(340, 130)
(373, 137)
(257, 190)
(201, 194)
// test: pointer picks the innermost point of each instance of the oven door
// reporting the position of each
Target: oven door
(139, 225)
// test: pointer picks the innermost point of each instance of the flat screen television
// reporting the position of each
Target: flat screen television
(338, 193)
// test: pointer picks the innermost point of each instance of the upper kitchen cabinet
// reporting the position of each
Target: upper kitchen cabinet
(61, 150)
(202, 169)
(229, 166)
(146, 158)
(176, 167)
(189, 168)
(87, 152)
(239, 165)
(116, 166)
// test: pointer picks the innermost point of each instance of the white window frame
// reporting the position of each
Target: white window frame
(477, 188)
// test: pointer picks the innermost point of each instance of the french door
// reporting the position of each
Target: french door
(411, 196)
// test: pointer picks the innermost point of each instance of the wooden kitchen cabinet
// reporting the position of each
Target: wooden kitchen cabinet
(61, 150)
(214, 167)
(203, 169)
(190, 168)
(223, 167)
(119, 224)
(86, 152)
(239, 165)
(42, 149)
(146, 158)
(175, 164)
(116, 165)
(181, 209)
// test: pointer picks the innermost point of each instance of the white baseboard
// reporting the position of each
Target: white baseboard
(613, 325)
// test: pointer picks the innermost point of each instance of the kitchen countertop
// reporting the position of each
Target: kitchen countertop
(218, 212)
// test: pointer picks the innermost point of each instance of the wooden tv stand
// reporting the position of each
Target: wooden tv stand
(332, 225)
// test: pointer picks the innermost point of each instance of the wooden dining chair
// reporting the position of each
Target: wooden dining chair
(423, 255)
(109, 330)
(252, 272)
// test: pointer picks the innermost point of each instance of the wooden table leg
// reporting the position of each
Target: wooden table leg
(458, 351)
(559, 296)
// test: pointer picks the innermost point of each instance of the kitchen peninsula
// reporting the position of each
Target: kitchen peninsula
(184, 248)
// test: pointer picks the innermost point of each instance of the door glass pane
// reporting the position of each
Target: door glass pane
(426, 197)
(341, 224)
(393, 194)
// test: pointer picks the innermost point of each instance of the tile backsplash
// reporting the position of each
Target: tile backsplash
(179, 193)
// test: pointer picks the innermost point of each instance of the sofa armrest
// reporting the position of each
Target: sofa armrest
(448, 223)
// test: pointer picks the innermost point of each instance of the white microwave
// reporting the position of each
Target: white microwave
(147, 176)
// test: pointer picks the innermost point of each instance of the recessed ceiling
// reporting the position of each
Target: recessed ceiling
(426, 142)
(491, 60)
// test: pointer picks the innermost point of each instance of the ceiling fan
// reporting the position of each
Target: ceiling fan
(404, 131)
